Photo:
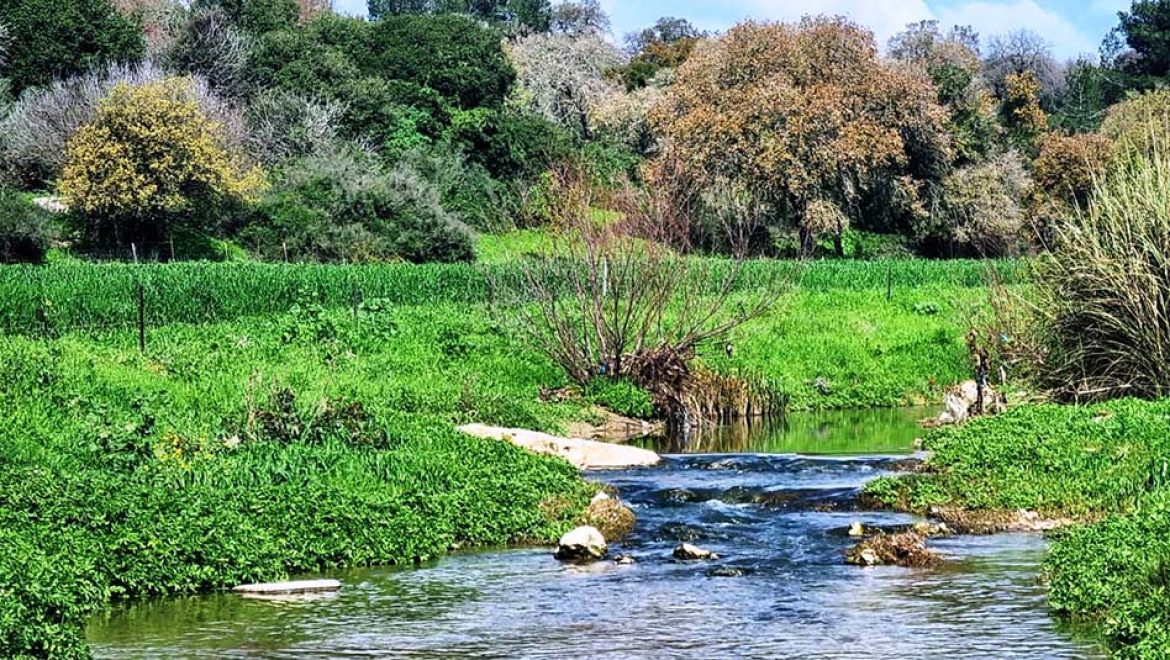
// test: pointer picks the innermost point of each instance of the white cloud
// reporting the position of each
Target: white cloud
(1000, 17)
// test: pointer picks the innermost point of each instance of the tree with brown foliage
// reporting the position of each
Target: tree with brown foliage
(804, 115)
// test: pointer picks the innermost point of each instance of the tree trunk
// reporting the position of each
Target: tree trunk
(807, 243)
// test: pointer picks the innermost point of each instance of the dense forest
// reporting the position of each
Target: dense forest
(280, 131)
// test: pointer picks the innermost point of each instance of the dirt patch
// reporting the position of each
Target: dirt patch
(614, 428)
(985, 522)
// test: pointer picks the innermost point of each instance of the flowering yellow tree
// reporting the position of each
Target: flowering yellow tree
(150, 160)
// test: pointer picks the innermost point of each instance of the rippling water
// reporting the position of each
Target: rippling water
(779, 519)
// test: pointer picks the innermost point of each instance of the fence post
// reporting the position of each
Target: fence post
(355, 298)
(889, 281)
(284, 244)
(134, 252)
(141, 295)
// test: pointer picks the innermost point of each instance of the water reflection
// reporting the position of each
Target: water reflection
(891, 431)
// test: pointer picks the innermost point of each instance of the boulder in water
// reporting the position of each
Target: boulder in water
(727, 572)
(613, 519)
(585, 454)
(582, 545)
(625, 560)
(857, 529)
(906, 549)
(688, 552)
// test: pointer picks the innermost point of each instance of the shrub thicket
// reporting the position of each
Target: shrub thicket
(341, 207)
(1105, 289)
(24, 229)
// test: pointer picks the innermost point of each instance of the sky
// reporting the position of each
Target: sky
(1072, 27)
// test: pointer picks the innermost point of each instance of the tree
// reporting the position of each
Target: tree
(952, 62)
(1022, 52)
(453, 55)
(517, 15)
(150, 161)
(578, 18)
(255, 16)
(563, 78)
(53, 39)
(24, 229)
(1146, 30)
(801, 113)
(1025, 120)
(665, 45)
(211, 45)
(1088, 92)
(1140, 124)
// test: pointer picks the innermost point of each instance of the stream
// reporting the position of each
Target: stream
(774, 500)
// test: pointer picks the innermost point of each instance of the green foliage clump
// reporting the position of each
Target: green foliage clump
(338, 207)
(621, 396)
(453, 55)
(24, 229)
(50, 39)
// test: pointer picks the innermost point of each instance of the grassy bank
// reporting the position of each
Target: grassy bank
(238, 452)
(253, 442)
(1108, 463)
(58, 298)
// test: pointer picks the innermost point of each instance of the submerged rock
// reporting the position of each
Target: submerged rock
(992, 521)
(582, 545)
(688, 552)
(929, 529)
(625, 560)
(585, 454)
(614, 519)
(727, 571)
(906, 549)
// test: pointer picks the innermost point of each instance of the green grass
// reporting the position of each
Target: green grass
(843, 348)
(60, 297)
(122, 477)
(1108, 462)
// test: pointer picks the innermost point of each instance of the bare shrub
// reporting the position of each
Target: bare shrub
(623, 297)
(283, 125)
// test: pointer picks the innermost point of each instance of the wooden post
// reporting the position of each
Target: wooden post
(889, 281)
(355, 299)
(172, 241)
(284, 244)
(134, 252)
(141, 292)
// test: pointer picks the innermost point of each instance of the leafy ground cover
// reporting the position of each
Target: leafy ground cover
(1108, 463)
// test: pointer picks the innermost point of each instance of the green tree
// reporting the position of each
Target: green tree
(1146, 29)
(665, 45)
(453, 55)
(523, 15)
(256, 16)
(54, 39)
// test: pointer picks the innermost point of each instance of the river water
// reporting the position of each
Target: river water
(774, 501)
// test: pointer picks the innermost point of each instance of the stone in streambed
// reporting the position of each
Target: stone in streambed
(613, 519)
(582, 545)
(584, 454)
(688, 552)
(289, 588)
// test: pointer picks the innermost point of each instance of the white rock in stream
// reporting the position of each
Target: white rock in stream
(289, 588)
(584, 544)
(688, 552)
(585, 454)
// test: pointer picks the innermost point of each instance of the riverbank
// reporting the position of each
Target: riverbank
(271, 443)
(1104, 465)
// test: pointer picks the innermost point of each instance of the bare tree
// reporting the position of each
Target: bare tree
(563, 77)
(1021, 52)
(623, 297)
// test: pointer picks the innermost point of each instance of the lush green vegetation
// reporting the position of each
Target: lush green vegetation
(1087, 462)
(249, 451)
(68, 295)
